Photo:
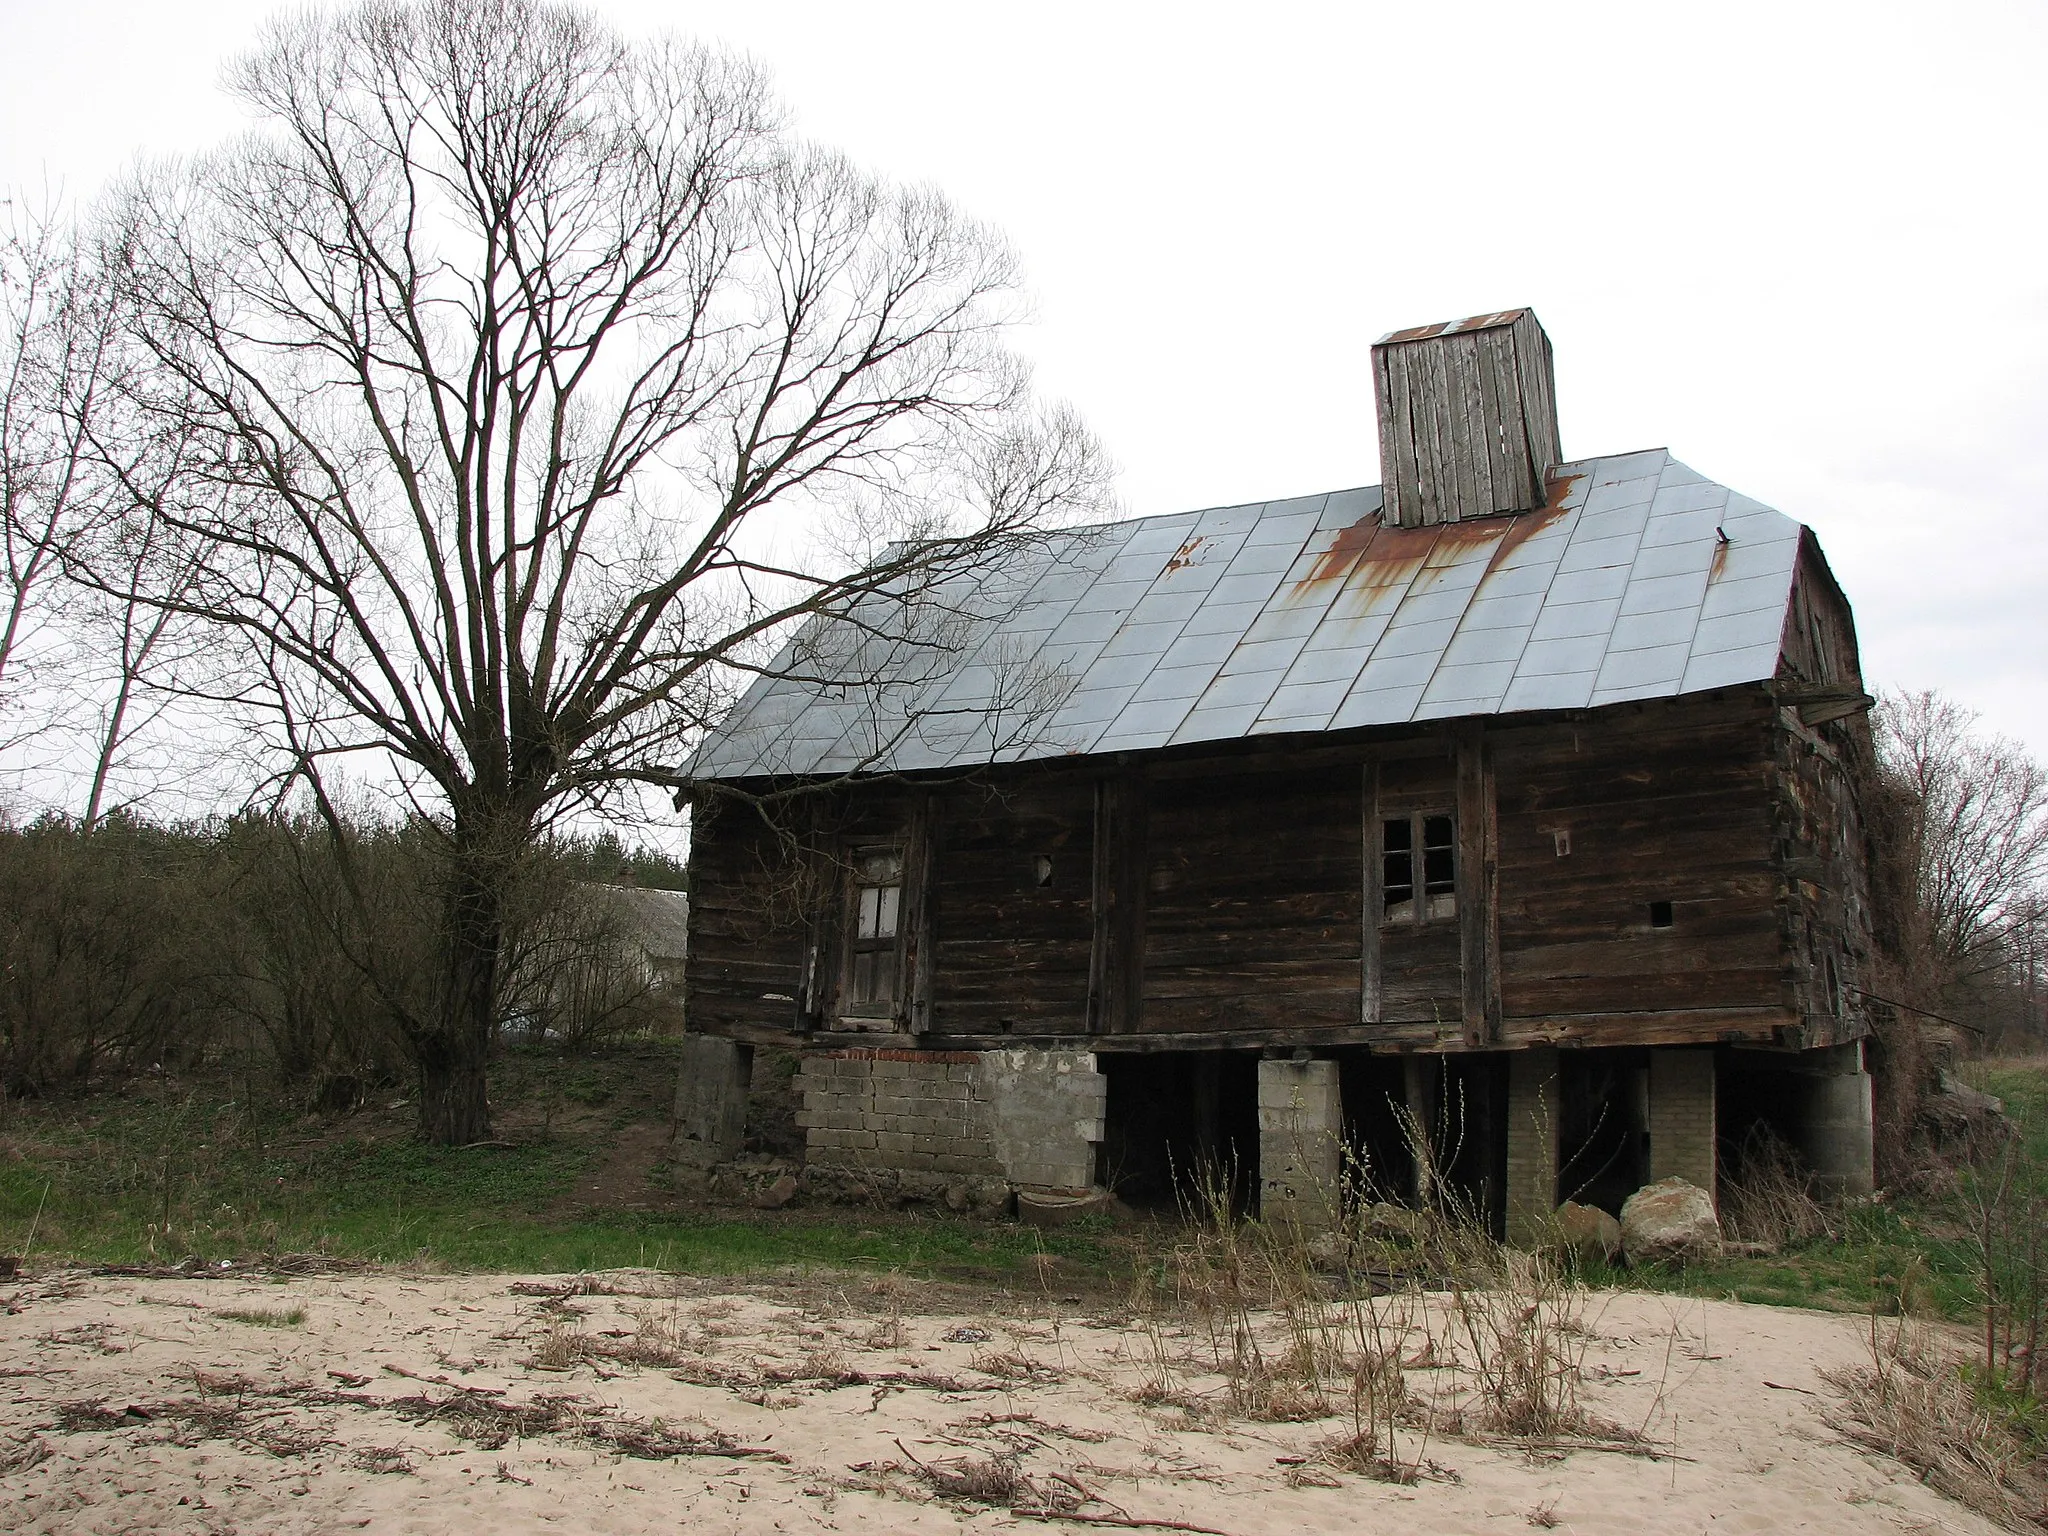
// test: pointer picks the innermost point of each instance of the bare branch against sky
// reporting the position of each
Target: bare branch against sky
(1793, 243)
(485, 402)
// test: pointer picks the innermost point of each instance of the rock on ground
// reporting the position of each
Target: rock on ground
(1588, 1232)
(1670, 1222)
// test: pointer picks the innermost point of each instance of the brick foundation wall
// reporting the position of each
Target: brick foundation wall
(910, 1110)
(1533, 1137)
(1682, 1115)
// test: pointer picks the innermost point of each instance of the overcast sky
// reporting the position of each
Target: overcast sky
(1803, 246)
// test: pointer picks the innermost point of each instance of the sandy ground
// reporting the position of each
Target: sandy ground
(414, 1403)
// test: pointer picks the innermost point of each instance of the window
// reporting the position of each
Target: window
(877, 910)
(1418, 868)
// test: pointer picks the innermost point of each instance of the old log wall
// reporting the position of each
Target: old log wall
(1678, 872)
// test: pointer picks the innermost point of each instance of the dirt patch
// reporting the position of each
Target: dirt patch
(625, 1179)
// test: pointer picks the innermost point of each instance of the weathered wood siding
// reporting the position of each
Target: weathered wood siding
(1252, 900)
(1467, 418)
(1601, 820)
(747, 932)
(1008, 953)
(1233, 895)
(1825, 914)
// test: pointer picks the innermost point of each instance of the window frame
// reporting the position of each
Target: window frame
(871, 1012)
(1436, 900)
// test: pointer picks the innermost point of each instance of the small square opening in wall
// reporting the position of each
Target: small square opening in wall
(1041, 869)
(1660, 914)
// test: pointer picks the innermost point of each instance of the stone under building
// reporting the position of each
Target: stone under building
(1513, 801)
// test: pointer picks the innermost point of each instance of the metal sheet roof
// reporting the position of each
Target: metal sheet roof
(1641, 579)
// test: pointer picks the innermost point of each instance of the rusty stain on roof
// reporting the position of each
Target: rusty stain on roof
(1368, 554)
(1185, 555)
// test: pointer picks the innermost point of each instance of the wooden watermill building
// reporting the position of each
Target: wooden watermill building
(1513, 800)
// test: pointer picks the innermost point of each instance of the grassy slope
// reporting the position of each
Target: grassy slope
(1911, 1247)
(156, 1172)
(161, 1171)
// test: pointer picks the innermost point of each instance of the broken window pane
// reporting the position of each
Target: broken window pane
(1440, 866)
(1419, 851)
(1397, 868)
(877, 909)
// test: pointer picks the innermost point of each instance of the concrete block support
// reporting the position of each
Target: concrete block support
(1838, 1140)
(1421, 1076)
(1030, 1117)
(711, 1100)
(1682, 1115)
(1533, 1141)
(1046, 1112)
(1301, 1143)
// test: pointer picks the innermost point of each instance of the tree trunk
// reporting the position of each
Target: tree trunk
(455, 1109)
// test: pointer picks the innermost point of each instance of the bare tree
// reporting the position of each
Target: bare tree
(514, 369)
(137, 651)
(1966, 854)
(53, 346)
(83, 665)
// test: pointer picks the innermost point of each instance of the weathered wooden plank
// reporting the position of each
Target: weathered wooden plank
(1117, 954)
(1436, 449)
(1769, 1028)
(1252, 915)
(1478, 902)
(1534, 368)
(1464, 467)
(1676, 1026)
(1499, 395)
(1005, 945)
(1398, 466)
(1371, 997)
(920, 901)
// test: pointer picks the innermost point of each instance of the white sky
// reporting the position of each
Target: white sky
(1804, 246)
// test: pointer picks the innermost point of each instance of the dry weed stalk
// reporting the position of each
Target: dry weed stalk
(1771, 1202)
(1914, 1402)
(1303, 1325)
(1527, 1350)
(996, 1481)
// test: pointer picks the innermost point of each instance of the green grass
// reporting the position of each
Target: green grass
(156, 1174)
(159, 1175)
(1882, 1253)
(1911, 1252)
(2024, 1087)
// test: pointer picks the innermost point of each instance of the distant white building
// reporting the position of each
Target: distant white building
(655, 925)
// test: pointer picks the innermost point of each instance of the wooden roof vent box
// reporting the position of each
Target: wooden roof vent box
(1467, 417)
